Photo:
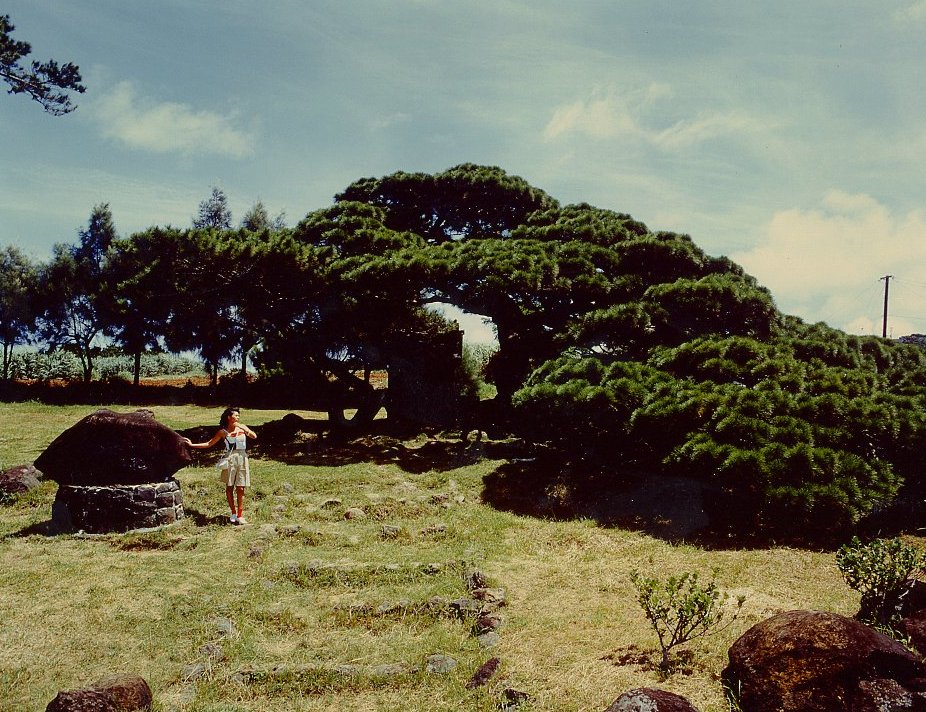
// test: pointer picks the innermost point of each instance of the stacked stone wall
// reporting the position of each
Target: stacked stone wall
(117, 508)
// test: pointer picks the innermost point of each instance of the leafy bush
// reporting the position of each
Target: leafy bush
(680, 609)
(152, 365)
(475, 358)
(34, 366)
(883, 571)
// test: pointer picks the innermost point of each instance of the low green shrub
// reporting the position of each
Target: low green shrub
(883, 571)
(35, 366)
(680, 609)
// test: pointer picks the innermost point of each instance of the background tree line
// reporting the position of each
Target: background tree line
(621, 348)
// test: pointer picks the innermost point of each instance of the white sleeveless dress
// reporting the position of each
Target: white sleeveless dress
(239, 471)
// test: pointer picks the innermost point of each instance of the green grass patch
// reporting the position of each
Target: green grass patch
(337, 613)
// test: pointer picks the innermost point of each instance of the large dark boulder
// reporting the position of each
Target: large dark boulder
(647, 699)
(814, 661)
(108, 448)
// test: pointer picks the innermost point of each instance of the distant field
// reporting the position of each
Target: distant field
(310, 592)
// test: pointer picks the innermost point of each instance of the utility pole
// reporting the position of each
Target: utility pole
(887, 281)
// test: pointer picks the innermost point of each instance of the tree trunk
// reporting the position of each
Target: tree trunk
(88, 367)
(244, 363)
(136, 378)
(7, 351)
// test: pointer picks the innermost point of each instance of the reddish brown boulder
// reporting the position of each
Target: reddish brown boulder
(122, 693)
(18, 480)
(814, 661)
(914, 628)
(108, 448)
(646, 699)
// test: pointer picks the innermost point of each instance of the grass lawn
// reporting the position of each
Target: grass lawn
(336, 613)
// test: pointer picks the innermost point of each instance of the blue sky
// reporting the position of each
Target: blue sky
(788, 135)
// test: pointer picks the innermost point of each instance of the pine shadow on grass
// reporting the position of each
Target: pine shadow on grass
(675, 509)
(411, 448)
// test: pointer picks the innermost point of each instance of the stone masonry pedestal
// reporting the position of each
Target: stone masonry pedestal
(116, 508)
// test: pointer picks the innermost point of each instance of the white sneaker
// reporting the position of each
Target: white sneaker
(233, 519)
(242, 520)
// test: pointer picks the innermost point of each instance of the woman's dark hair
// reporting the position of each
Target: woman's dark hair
(223, 421)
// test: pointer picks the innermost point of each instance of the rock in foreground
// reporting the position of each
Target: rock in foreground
(122, 693)
(646, 699)
(814, 661)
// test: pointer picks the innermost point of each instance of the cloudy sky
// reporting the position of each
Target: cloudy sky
(788, 135)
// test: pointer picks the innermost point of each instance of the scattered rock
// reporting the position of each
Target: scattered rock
(647, 699)
(464, 607)
(488, 639)
(388, 608)
(487, 622)
(224, 627)
(194, 671)
(512, 698)
(331, 503)
(213, 651)
(476, 579)
(355, 513)
(484, 673)
(389, 670)
(390, 531)
(816, 661)
(121, 693)
(440, 663)
(348, 670)
(434, 529)
(491, 597)
(19, 480)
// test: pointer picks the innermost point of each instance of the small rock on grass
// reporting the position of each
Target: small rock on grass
(440, 663)
(224, 627)
(489, 639)
(511, 698)
(484, 673)
(646, 699)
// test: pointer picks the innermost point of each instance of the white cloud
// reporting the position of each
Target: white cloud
(598, 118)
(687, 133)
(168, 127)
(828, 262)
(914, 12)
(607, 116)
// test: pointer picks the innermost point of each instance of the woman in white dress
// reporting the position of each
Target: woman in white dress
(236, 471)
